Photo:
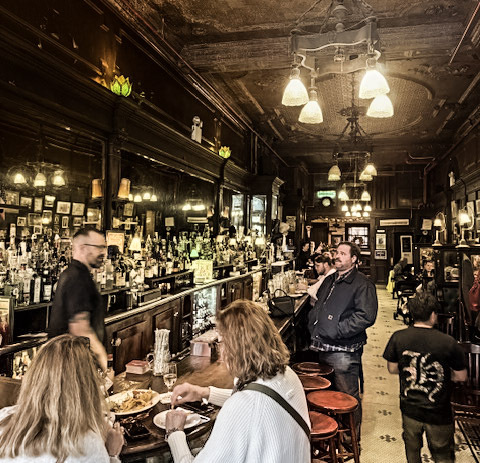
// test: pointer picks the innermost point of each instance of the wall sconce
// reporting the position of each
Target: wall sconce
(465, 220)
(439, 224)
(121, 86)
(225, 152)
(97, 188)
(124, 189)
(154, 198)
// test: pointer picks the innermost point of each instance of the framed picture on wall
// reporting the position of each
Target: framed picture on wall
(477, 206)
(47, 217)
(37, 204)
(77, 221)
(26, 201)
(63, 207)
(37, 229)
(65, 221)
(21, 221)
(380, 254)
(128, 209)
(381, 241)
(78, 209)
(49, 200)
(12, 198)
(34, 219)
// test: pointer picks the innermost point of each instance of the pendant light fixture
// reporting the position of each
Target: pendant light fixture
(365, 196)
(380, 107)
(334, 174)
(311, 113)
(295, 93)
(40, 180)
(58, 178)
(373, 82)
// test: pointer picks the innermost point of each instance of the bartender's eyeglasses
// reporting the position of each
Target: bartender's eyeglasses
(101, 247)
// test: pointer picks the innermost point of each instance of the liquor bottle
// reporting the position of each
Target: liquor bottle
(120, 274)
(47, 284)
(36, 288)
(109, 274)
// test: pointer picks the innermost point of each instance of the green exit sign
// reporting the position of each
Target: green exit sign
(326, 194)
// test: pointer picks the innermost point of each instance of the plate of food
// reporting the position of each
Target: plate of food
(133, 401)
(193, 419)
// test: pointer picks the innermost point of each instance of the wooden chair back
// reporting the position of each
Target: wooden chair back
(446, 323)
(9, 389)
(472, 352)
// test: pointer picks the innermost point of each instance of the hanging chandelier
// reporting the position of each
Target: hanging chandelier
(373, 85)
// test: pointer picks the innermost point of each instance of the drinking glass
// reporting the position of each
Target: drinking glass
(170, 376)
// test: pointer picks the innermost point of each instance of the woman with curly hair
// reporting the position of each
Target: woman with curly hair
(60, 413)
(251, 426)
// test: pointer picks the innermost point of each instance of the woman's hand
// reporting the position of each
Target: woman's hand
(187, 392)
(175, 421)
(114, 441)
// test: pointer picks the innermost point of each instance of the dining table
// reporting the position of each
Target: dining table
(202, 371)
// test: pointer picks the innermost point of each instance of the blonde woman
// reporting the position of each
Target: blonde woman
(251, 426)
(60, 413)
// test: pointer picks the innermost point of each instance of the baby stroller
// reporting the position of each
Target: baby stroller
(405, 289)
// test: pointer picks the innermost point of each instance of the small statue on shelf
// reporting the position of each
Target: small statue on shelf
(197, 129)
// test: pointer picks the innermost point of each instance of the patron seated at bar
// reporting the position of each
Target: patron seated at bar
(77, 305)
(60, 412)
(250, 427)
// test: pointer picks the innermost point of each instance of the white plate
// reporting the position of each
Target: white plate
(193, 419)
(295, 295)
(121, 396)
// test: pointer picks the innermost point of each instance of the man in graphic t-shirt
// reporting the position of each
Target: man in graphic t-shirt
(427, 361)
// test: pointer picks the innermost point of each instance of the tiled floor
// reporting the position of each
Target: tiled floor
(381, 428)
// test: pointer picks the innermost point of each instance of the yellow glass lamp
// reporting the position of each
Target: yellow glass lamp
(121, 86)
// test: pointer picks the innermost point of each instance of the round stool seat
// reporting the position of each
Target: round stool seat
(312, 368)
(332, 401)
(323, 426)
(314, 383)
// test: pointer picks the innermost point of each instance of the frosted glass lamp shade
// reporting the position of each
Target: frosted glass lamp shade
(373, 84)
(58, 178)
(365, 196)
(343, 196)
(381, 106)
(40, 180)
(311, 113)
(334, 173)
(295, 93)
(370, 169)
(344, 208)
(347, 214)
(364, 177)
(19, 179)
(367, 208)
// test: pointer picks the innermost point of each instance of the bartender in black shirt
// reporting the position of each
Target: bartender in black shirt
(77, 307)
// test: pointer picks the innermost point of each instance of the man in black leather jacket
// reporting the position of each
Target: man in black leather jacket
(347, 305)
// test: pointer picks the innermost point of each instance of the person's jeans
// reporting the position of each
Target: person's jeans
(346, 376)
(439, 438)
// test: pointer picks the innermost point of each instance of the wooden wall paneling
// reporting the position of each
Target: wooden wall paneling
(132, 344)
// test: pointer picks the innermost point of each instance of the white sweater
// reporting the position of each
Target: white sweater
(93, 448)
(251, 427)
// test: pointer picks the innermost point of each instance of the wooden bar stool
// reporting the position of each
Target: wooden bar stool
(314, 383)
(312, 369)
(323, 432)
(341, 406)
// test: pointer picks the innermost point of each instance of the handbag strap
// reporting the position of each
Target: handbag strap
(282, 402)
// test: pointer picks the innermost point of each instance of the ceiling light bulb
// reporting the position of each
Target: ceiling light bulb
(186, 207)
(334, 173)
(295, 93)
(198, 207)
(137, 198)
(368, 208)
(19, 179)
(365, 196)
(311, 113)
(370, 170)
(353, 208)
(154, 198)
(372, 85)
(437, 222)
(40, 180)
(347, 214)
(344, 208)
(359, 207)
(366, 214)
(147, 195)
(58, 179)
(381, 106)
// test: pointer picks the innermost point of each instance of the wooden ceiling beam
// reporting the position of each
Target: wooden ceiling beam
(274, 53)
